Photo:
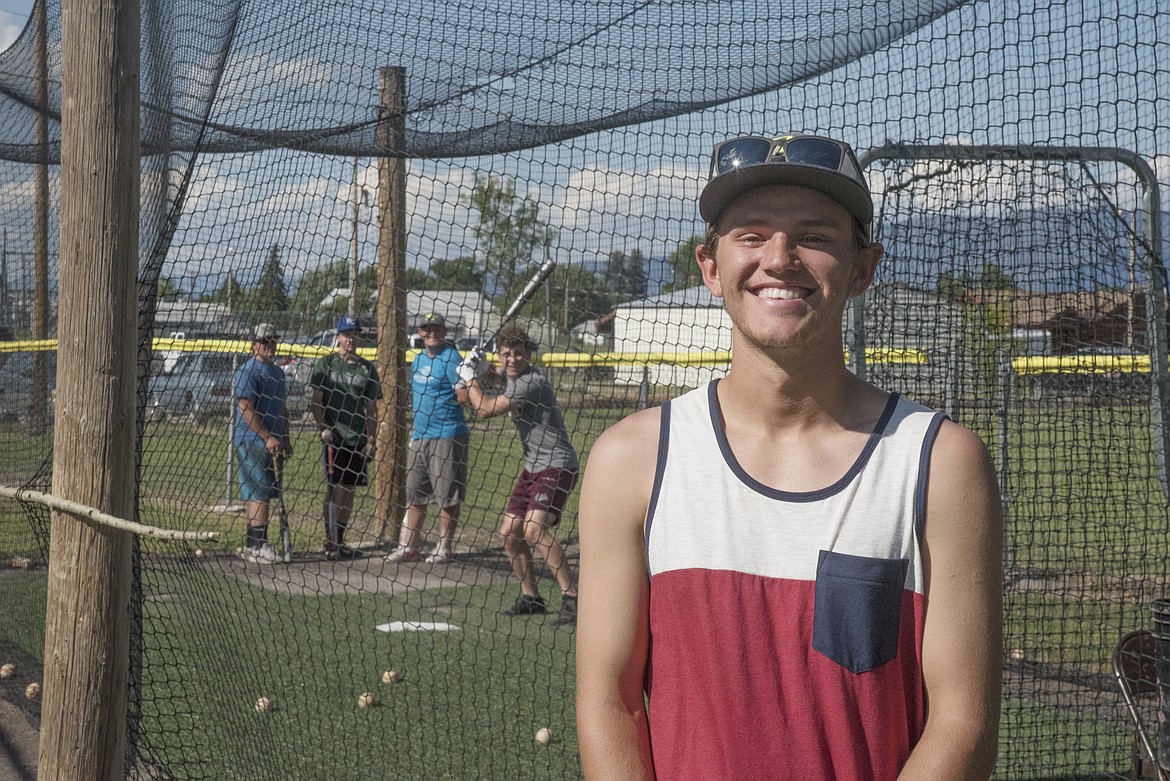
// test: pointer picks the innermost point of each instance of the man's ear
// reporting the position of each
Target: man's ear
(867, 264)
(709, 270)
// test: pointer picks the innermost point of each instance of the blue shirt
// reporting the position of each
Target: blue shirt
(437, 415)
(263, 385)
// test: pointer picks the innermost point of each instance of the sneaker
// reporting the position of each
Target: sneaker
(440, 556)
(345, 552)
(527, 606)
(265, 554)
(403, 553)
(568, 611)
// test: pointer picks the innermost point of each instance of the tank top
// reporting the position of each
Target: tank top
(785, 628)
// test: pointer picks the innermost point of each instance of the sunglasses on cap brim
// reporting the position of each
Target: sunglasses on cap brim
(743, 151)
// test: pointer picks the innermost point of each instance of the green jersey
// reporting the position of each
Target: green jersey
(346, 388)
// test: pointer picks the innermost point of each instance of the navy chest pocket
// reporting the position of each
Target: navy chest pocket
(857, 609)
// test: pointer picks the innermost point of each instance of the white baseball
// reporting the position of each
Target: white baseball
(7, 670)
(391, 676)
(366, 700)
(263, 705)
(199, 552)
(32, 691)
(544, 736)
(1017, 654)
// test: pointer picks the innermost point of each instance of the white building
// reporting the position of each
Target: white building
(674, 324)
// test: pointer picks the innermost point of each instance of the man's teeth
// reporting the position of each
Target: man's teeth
(785, 294)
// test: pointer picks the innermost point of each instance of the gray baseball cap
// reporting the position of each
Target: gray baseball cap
(264, 331)
(818, 163)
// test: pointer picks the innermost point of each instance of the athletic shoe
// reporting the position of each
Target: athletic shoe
(440, 556)
(333, 552)
(265, 554)
(403, 554)
(527, 606)
(568, 611)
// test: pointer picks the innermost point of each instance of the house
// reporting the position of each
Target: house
(680, 322)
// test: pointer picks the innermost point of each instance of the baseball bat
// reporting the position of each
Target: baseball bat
(330, 518)
(542, 273)
(285, 533)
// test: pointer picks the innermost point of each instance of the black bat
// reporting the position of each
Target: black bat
(544, 272)
(285, 532)
(331, 535)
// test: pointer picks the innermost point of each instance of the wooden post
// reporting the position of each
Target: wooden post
(83, 718)
(393, 438)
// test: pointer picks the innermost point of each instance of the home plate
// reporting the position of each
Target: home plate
(416, 626)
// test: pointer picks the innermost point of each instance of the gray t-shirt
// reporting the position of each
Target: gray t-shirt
(539, 422)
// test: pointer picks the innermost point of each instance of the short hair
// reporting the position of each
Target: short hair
(514, 336)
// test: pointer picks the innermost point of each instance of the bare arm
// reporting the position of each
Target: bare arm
(255, 421)
(487, 406)
(963, 636)
(613, 623)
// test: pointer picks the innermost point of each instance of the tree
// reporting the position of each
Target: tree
(269, 299)
(461, 273)
(509, 231)
(229, 292)
(167, 289)
(309, 303)
(684, 269)
(575, 295)
(625, 275)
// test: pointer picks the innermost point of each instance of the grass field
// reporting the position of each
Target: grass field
(1087, 531)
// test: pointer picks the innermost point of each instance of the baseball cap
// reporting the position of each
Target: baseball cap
(818, 163)
(264, 331)
(348, 323)
(431, 319)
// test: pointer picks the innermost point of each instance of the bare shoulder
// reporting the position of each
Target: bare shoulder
(963, 492)
(619, 474)
(959, 451)
(630, 439)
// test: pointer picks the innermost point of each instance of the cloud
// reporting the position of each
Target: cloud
(11, 26)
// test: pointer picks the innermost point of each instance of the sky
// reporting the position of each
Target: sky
(13, 17)
(616, 190)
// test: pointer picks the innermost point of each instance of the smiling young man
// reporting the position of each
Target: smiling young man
(799, 570)
(549, 475)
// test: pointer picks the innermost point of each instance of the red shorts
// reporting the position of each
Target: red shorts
(547, 489)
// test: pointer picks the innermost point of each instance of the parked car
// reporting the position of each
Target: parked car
(200, 388)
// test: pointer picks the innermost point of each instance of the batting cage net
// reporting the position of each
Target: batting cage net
(1014, 152)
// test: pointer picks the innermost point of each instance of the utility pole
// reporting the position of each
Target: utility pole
(390, 475)
(355, 195)
(39, 404)
(87, 608)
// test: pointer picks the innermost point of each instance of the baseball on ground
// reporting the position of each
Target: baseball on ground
(199, 552)
(7, 670)
(391, 676)
(263, 705)
(366, 700)
(32, 691)
(543, 736)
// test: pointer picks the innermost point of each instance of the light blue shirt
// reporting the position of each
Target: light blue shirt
(437, 415)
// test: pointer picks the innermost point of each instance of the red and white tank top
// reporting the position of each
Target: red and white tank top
(785, 628)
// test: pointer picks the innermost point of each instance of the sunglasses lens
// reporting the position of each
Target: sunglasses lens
(741, 152)
(814, 151)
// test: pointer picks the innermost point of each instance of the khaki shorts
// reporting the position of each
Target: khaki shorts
(436, 471)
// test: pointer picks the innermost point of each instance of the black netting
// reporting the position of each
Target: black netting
(1010, 147)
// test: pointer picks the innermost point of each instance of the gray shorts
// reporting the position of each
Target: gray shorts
(436, 471)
